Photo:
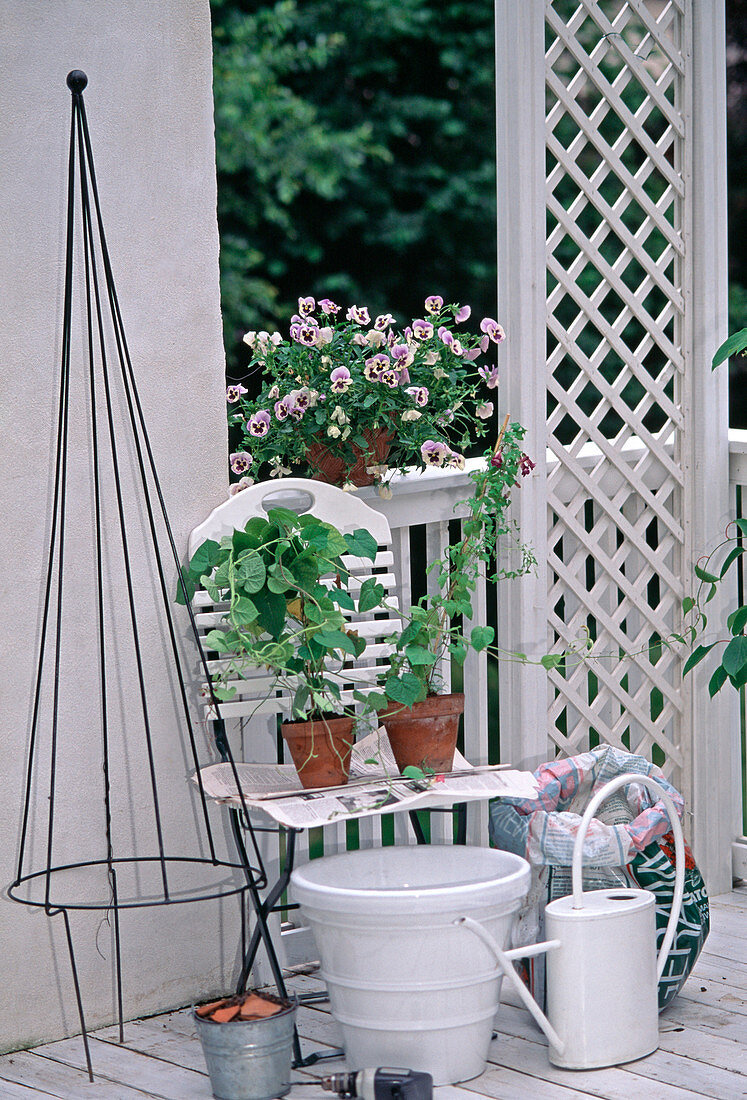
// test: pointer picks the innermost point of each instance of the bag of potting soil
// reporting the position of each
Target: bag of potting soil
(628, 843)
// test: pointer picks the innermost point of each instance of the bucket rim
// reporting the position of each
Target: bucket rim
(288, 1007)
(513, 884)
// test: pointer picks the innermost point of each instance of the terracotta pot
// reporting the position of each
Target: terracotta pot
(320, 749)
(425, 734)
(329, 466)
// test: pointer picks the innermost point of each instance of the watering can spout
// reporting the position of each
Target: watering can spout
(505, 961)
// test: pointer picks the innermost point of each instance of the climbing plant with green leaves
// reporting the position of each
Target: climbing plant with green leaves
(286, 588)
(732, 646)
(436, 627)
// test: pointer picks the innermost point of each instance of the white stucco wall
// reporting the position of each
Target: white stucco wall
(149, 106)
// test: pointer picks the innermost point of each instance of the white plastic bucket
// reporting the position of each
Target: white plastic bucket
(407, 986)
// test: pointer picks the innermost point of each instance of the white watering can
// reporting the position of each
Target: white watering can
(602, 969)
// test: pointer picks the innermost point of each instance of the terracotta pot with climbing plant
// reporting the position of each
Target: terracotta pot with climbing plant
(421, 721)
(286, 588)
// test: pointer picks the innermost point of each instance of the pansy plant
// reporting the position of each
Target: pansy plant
(343, 376)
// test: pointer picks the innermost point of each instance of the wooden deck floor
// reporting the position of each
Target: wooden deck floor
(703, 1050)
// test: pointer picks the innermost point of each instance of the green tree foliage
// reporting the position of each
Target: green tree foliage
(272, 145)
(355, 147)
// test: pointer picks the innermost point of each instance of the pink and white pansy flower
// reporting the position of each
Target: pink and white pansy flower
(434, 453)
(308, 334)
(419, 394)
(375, 338)
(301, 399)
(259, 423)
(402, 354)
(283, 407)
(359, 314)
(327, 306)
(489, 376)
(240, 461)
(422, 330)
(238, 486)
(340, 379)
(375, 367)
(492, 330)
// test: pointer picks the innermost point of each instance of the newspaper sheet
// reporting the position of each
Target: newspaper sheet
(375, 786)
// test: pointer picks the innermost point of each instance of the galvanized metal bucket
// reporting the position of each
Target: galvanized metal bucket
(249, 1059)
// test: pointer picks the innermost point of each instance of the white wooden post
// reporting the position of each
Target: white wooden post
(522, 603)
(715, 726)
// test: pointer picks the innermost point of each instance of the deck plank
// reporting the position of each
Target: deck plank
(714, 968)
(11, 1090)
(705, 1080)
(729, 921)
(703, 1046)
(716, 995)
(152, 1076)
(319, 1026)
(507, 1084)
(45, 1077)
(737, 899)
(714, 1075)
(152, 1039)
(705, 1018)
(616, 1083)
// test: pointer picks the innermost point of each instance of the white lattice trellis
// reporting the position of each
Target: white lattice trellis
(615, 197)
(612, 285)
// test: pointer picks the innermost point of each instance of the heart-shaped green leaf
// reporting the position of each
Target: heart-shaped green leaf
(362, 544)
(406, 689)
(735, 655)
(481, 637)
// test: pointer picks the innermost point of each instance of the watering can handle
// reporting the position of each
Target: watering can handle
(679, 852)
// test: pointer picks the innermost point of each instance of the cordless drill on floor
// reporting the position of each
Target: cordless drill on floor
(380, 1084)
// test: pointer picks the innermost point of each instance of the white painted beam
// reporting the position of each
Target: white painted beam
(522, 603)
(716, 769)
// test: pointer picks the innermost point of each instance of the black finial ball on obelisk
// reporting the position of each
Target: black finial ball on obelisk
(76, 81)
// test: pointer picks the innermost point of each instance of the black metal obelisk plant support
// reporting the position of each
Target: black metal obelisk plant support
(117, 791)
